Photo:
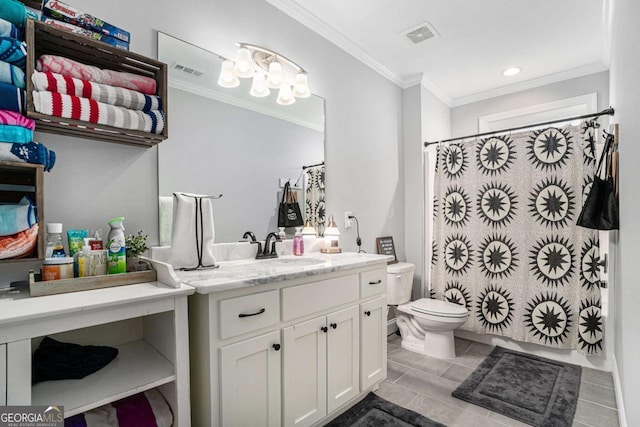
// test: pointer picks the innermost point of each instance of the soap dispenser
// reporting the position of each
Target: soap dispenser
(298, 242)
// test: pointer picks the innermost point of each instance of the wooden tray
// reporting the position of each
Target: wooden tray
(62, 286)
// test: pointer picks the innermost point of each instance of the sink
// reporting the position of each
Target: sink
(292, 261)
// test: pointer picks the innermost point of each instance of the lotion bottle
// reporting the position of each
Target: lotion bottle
(84, 260)
(298, 243)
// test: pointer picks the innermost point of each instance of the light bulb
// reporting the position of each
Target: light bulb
(301, 86)
(512, 71)
(228, 77)
(244, 63)
(275, 77)
(285, 97)
(259, 87)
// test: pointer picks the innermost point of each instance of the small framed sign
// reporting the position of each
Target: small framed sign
(385, 247)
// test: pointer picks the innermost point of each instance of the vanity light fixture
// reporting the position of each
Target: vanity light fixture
(511, 71)
(331, 235)
(269, 70)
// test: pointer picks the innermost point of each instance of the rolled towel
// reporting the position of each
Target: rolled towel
(17, 217)
(14, 12)
(16, 119)
(7, 29)
(118, 96)
(88, 110)
(31, 152)
(77, 70)
(12, 98)
(13, 51)
(17, 134)
(12, 74)
(20, 244)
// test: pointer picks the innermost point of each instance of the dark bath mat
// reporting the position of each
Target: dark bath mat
(375, 411)
(532, 389)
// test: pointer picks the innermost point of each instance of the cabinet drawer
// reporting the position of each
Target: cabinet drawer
(313, 297)
(248, 313)
(373, 282)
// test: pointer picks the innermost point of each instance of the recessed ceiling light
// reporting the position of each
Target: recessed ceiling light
(511, 71)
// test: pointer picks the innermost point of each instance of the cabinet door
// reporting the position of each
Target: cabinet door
(305, 372)
(3, 374)
(342, 357)
(373, 342)
(250, 382)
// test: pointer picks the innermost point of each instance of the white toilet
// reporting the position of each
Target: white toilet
(426, 325)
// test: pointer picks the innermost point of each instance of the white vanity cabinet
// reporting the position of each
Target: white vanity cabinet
(146, 322)
(289, 351)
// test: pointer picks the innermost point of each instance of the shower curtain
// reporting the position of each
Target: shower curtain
(314, 198)
(505, 241)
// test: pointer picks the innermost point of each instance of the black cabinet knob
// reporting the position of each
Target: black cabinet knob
(276, 347)
(324, 329)
(367, 313)
(334, 325)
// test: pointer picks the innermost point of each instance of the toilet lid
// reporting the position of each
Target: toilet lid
(438, 308)
(400, 267)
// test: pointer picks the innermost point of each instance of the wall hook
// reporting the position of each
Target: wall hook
(604, 263)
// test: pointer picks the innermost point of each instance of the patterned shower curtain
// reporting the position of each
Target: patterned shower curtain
(314, 198)
(505, 241)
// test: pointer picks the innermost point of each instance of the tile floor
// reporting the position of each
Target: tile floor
(424, 384)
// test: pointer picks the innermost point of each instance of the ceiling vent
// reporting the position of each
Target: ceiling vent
(186, 69)
(421, 33)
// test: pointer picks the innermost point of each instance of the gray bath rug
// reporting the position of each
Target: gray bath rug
(374, 411)
(532, 389)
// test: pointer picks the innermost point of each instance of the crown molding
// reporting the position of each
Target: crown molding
(436, 91)
(320, 27)
(530, 84)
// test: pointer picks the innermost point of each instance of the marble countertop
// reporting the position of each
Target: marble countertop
(250, 272)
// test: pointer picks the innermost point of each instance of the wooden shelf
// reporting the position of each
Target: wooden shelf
(43, 39)
(138, 367)
(28, 176)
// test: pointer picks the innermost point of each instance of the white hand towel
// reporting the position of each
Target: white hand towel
(193, 232)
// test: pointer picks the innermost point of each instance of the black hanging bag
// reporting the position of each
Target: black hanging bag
(289, 214)
(600, 210)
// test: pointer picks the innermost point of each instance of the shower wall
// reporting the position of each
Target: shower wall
(464, 121)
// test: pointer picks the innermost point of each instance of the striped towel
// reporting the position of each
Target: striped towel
(16, 119)
(7, 29)
(13, 51)
(71, 68)
(12, 98)
(11, 74)
(88, 110)
(117, 96)
(19, 245)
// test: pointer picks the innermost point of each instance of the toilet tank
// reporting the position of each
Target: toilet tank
(399, 282)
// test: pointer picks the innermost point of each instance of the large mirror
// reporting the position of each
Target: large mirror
(224, 141)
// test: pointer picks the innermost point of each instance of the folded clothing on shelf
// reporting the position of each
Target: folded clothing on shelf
(148, 409)
(31, 152)
(14, 12)
(17, 134)
(16, 119)
(17, 217)
(12, 98)
(118, 96)
(19, 245)
(55, 360)
(88, 110)
(7, 29)
(71, 68)
(12, 74)
(13, 51)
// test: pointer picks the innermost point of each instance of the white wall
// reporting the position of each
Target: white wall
(464, 119)
(95, 181)
(625, 97)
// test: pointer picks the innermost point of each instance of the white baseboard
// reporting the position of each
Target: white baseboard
(622, 416)
(391, 327)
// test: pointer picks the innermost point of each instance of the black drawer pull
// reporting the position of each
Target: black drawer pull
(377, 282)
(367, 313)
(334, 325)
(262, 310)
(276, 347)
(324, 329)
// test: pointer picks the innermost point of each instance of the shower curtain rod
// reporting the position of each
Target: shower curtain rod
(312, 166)
(609, 111)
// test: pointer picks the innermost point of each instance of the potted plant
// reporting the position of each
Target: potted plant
(136, 245)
